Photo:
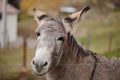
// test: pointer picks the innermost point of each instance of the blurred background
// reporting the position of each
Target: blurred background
(98, 31)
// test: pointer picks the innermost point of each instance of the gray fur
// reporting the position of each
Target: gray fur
(69, 61)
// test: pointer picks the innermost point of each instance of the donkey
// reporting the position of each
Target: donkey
(58, 55)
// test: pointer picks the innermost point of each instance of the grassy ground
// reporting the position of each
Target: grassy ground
(115, 53)
(13, 54)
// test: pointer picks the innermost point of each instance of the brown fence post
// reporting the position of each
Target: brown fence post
(87, 43)
(25, 54)
(110, 42)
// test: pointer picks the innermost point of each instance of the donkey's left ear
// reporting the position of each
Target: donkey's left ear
(39, 15)
(75, 17)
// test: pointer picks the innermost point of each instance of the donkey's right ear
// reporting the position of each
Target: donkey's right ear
(39, 15)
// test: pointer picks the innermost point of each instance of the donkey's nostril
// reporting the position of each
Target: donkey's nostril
(40, 64)
(45, 63)
(33, 62)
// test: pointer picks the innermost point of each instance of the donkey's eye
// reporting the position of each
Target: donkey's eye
(38, 34)
(61, 38)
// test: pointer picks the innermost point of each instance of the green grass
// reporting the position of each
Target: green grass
(23, 17)
(10, 55)
(115, 53)
(13, 56)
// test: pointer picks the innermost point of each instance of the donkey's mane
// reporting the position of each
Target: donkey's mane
(77, 50)
(72, 50)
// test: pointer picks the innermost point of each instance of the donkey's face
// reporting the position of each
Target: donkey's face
(51, 37)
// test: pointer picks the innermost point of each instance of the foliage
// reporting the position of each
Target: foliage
(15, 3)
(23, 17)
(25, 5)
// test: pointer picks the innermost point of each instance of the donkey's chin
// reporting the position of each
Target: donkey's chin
(40, 73)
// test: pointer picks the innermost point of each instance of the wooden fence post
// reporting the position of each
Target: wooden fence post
(110, 42)
(87, 43)
(25, 54)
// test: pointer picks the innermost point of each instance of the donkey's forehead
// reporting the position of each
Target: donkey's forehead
(51, 26)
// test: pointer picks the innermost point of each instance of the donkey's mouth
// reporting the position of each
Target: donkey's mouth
(40, 74)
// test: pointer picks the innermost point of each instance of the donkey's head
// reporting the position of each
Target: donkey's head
(51, 38)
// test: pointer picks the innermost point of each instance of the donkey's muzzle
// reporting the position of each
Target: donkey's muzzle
(39, 66)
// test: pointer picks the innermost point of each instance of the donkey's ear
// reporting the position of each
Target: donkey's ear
(73, 19)
(39, 15)
(76, 16)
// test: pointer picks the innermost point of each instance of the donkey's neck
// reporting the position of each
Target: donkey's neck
(73, 52)
(72, 55)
